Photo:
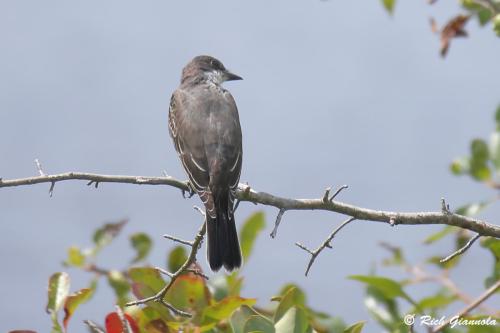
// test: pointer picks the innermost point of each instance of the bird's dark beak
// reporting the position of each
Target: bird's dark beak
(228, 76)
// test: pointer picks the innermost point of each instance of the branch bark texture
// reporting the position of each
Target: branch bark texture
(246, 193)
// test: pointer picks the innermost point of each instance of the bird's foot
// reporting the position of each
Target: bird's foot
(190, 192)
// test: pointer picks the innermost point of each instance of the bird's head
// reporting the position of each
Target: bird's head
(208, 68)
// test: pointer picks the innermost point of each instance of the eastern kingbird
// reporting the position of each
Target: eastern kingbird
(205, 127)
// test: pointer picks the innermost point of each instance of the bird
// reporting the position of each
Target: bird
(205, 128)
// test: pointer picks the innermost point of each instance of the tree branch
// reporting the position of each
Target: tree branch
(483, 297)
(461, 250)
(325, 244)
(245, 193)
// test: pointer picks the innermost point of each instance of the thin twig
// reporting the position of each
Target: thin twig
(277, 223)
(245, 193)
(125, 324)
(324, 245)
(178, 240)
(186, 267)
(461, 250)
(483, 297)
(39, 168)
(340, 189)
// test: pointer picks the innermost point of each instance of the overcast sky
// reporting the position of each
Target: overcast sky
(333, 93)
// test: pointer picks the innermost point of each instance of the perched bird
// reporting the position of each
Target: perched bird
(205, 127)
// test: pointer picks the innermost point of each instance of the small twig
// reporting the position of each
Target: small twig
(483, 297)
(324, 245)
(327, 194)
(93, 327)
(199, 210)
(186, 267)
(163, 271)
(340, 189)
(178, 240)
(125, 324)
(490, 5)
(197, 272)
(174, 309)
(96, 183)
(39, 168)
(461, 250)
(277, 223)
(445, 208)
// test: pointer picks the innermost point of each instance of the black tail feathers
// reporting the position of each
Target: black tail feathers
(223, 246)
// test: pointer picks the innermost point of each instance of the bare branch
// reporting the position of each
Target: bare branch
(483, 297)
(39, 168)
(178, 240)
(340, 189)
(245, 193)
(278, 221)
(325, 244)
(445, 208)
(461, 250)
(125, 324)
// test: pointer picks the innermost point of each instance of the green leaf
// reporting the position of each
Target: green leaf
(460, 166)
(493, 245)
(258, 324)
(225, 308)
(240, 316)
(142, 244)
(58, 291)
(389, 5)
(293, 321)
(435, 302)
(384, 310)
(292, 297)
(147, 279)
(478, 163)
(472, 209)
(188, 293)
(120, 286)
(479, 150)
(440, 234)
(389, 287)
(497, 113)
(355, 328)
(75, 257)
(495, 148)
(176, 258)
(496, 24)
(249, 232)
(56, 327)
(72, 303)
(397, 258)
(103, 236)
(484, 15)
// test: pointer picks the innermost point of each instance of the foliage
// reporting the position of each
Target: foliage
(216, 305)
(484, 11)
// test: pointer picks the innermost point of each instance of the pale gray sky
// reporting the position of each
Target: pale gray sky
(333, 93)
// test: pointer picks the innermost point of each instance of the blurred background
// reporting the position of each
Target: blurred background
(333, 93)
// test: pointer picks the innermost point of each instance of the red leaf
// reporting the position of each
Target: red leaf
(114, 324)
(453, 29)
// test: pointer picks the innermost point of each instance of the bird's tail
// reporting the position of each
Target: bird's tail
(223, 246)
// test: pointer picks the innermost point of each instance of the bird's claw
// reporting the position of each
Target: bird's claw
(190, 192)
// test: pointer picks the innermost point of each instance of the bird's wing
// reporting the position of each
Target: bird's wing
(190, 147)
